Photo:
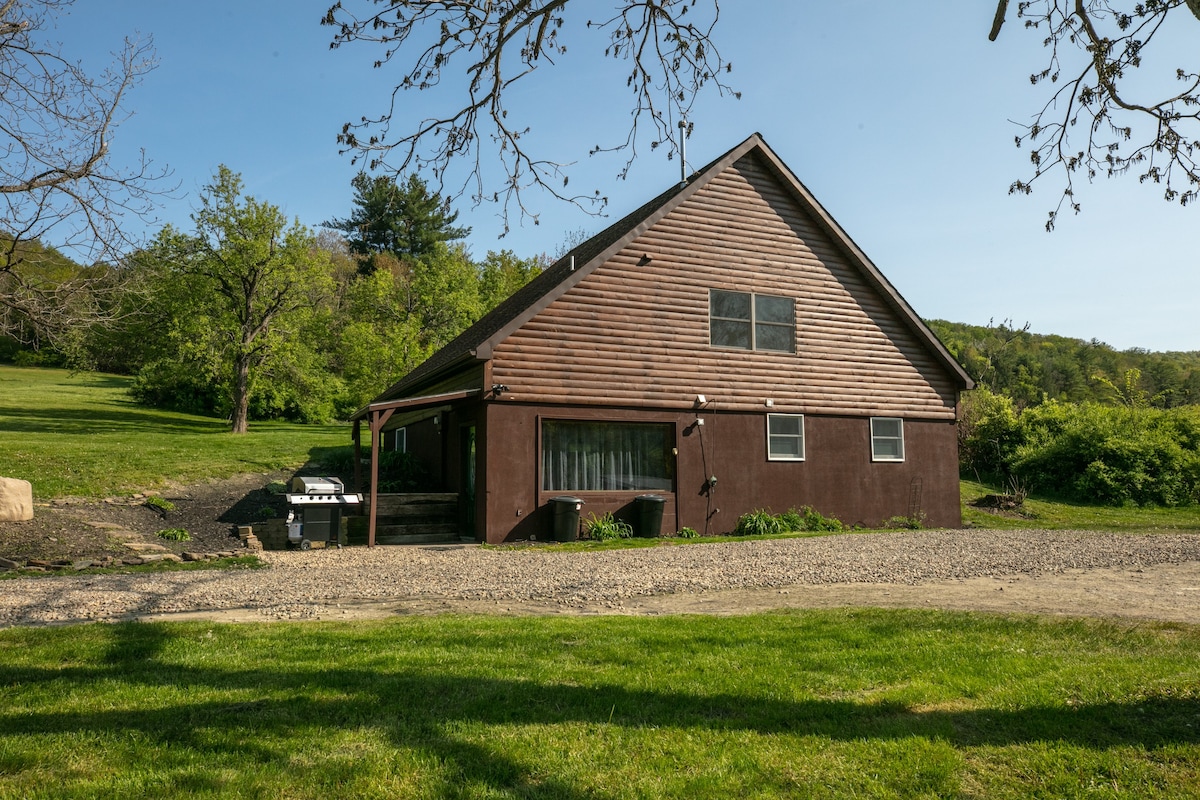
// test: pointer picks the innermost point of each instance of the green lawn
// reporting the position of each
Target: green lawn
(805, 704)
(80, 434)
(1058, 515)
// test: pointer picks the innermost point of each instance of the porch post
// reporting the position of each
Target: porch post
(374, 424)
(377, 419)
(357, 436)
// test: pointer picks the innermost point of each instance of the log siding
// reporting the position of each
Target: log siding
(635, 331)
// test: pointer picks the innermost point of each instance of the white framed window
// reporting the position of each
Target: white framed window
(751, 321)
(785, 437)
(887, 439)
(400, 440)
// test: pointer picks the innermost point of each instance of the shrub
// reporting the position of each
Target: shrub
(688, 533)
(606, 527)
(1113, 455)
(791, 520)
(813, 520)
(159, 504)
(912, 523)
(175, 535)
(758, 523)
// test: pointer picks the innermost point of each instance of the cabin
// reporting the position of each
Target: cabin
(726, 347)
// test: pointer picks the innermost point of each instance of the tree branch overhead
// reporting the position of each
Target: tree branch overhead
(493, 46)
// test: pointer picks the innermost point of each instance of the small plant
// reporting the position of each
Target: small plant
(687, 533)
(175, 535)
(266, 512)
(277, 487)
(159, 504)
(911, 523)
(792, 520)
(605, 528)
(813, 520)
(758, 523)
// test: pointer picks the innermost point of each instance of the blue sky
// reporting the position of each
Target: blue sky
(898, 120)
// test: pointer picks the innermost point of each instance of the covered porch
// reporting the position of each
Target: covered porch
(440, 430)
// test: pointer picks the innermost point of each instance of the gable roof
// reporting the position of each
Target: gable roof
(477, 342)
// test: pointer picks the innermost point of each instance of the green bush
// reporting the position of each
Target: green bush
(605, 528)
(159, 504)
(1112, 455)
(812, 520)
(175, 535)
(758, 523)
(688, 533)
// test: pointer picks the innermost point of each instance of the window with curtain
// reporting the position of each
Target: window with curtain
(589, 456)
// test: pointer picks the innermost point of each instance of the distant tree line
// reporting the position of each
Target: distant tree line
(1031, 368)
(250, 316)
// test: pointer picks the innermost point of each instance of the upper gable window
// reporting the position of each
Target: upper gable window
(751, 321)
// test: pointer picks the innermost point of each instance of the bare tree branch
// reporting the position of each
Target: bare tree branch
(1102, 120)
(671, 56)
(57, 183)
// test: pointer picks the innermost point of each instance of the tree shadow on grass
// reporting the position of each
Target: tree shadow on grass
(89, 421)
(424, 712)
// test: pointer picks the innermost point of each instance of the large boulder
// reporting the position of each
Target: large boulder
(16, 500)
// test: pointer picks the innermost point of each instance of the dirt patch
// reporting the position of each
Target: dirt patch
(210, 512)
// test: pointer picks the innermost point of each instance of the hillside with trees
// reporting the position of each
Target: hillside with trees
(249, 316)
(1031, 368)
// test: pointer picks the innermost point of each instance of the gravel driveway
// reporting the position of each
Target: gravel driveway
(911, 568)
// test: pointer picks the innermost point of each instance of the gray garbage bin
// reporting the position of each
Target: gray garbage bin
(649, 512)
(566, 518)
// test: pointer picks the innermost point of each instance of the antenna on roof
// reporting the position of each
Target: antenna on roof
(683, 152)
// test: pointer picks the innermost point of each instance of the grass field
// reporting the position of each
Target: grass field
(80, 434)
(1059, 515)
(807, 704)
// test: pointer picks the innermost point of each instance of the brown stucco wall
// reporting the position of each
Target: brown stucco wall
(837, 478)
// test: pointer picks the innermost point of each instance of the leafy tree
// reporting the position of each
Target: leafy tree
(406, 221)
(501, 274)
(445, 294)
(242, 291)
(379, 339)
(57, 180)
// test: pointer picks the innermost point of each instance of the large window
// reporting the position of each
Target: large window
(887, 439)
(751, 321)
(607, 456)
(785, 437)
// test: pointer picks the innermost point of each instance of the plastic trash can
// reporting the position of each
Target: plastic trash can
(566, 518)
(649, 512)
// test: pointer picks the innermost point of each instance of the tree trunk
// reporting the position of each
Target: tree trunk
(241, 394)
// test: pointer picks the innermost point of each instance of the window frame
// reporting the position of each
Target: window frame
(400, 439)
(753, 322)
(877, 438)
(668, 427)
(771, 456)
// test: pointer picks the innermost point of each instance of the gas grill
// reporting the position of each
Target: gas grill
(316, 510)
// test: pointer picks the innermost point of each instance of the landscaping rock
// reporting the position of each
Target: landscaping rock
(16, 500)
(8, 564)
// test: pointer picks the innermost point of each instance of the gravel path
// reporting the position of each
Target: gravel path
(315, 584)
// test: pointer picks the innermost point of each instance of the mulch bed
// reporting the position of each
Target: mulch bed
(210, 512)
